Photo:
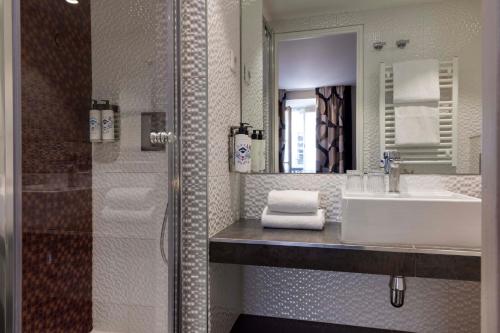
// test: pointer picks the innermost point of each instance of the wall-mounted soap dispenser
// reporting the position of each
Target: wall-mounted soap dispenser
(108, 122)
(255, 157)
(243, 150)
(262, 151)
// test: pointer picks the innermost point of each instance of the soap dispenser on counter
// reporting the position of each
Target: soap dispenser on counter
(243, 150)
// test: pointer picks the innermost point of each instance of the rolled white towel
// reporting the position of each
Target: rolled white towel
(312, 221)
(293, 201)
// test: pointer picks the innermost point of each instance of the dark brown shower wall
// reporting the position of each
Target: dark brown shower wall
(57, 166)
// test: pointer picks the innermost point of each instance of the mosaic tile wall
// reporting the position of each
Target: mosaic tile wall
(57, 165)
(256, 187)
(132, 59)
(194, 156)
(223, 186)
(438, 30)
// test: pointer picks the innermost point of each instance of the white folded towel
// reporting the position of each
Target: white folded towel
(416, 81)
(312, 221)
(129, 197)
(293, 201)
(417, 124)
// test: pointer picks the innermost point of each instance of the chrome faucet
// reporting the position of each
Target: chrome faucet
(391, 168)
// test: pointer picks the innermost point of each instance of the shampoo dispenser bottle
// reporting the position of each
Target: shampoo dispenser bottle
(108, 122)
(262, 151)
(255, 152)
(242, 150)
(95, 119)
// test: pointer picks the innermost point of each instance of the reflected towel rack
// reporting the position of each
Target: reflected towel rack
(444, 153)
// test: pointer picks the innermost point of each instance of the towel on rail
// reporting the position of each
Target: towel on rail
(416, 81)
(417, 125)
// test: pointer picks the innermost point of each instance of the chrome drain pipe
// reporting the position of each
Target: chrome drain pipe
(397, 285)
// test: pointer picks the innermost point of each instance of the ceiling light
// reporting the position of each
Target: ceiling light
(73, 2)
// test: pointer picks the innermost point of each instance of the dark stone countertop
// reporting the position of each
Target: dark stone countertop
(247, 243)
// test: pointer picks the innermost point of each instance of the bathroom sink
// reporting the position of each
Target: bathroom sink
(441, 219)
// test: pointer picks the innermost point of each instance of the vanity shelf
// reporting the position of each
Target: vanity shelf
(247, 243)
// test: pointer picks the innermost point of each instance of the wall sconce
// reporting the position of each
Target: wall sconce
(73, 2)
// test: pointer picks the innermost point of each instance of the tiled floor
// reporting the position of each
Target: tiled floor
(251, 324)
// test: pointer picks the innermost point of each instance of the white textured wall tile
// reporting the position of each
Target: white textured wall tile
(356, 299)
(252, 59)
(431, 305)
(256, 188)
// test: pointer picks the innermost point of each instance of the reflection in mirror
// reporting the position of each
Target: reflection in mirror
(334, 84)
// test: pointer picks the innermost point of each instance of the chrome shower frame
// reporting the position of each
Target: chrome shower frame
(10, 166)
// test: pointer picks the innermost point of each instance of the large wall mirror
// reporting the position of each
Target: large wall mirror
(332, 84)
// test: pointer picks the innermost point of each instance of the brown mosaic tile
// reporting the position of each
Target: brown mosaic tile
(56, 83)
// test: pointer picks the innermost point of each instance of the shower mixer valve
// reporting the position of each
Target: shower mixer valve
(162, 137)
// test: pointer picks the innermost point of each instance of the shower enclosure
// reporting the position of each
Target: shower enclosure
(88, 232)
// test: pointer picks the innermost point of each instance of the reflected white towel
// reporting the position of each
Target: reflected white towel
(417, 124)
(416, 81)
(293, 201)
(312, 221)
(127, 216)
(129, 197)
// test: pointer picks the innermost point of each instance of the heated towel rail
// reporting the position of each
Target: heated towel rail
(444, 153)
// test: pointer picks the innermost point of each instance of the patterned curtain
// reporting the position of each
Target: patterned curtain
(281, 131)
(331, 128)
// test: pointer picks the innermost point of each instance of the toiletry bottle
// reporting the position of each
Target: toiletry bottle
(262, 151)
(108, 122)
(231, 151)
(255, 152)
(95, 118)
(243, 150)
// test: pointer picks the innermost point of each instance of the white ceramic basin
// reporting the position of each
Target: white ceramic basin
(442, 219)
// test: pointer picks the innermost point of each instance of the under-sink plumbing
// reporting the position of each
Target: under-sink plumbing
(397, 285)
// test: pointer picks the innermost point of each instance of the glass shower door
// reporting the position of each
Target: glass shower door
(94, 205)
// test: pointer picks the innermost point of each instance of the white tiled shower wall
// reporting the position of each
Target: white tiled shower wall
(130, 44)
(223, 186)
(441, 30)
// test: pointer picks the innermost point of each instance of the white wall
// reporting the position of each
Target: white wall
(252, 60)
(129, 59)
(436, 30)
(317, 62)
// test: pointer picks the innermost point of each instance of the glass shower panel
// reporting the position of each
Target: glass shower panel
(93, 209)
